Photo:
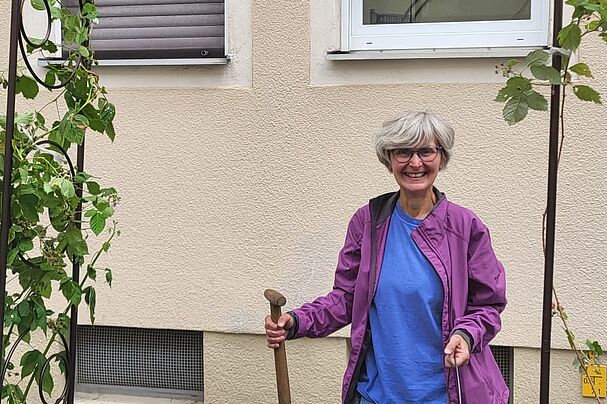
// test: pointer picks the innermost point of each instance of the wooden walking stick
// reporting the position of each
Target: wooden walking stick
(280, 354)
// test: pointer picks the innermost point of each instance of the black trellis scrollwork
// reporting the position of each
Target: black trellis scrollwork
(18, 39)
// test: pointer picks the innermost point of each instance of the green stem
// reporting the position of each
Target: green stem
(571, 339)
(54, 100)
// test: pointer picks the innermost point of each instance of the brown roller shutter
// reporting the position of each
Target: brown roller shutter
(157, 29)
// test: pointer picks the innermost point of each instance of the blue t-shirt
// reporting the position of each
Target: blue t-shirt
(405, 362)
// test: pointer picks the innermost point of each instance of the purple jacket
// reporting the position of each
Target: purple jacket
(458, 246)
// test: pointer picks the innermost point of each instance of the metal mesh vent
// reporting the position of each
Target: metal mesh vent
(148, 359)
(504, 357)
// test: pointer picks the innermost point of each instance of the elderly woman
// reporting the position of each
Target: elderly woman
(418, 281)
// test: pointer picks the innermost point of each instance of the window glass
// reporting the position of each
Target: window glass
(427, 11)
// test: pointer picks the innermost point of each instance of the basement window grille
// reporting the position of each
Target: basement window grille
(504, 356)
(140, 361)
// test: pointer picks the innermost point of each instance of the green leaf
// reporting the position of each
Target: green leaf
(88, 9)
(90, 299)
(570, 37)
(62, 362)
(594, 347)
(45, 289)
(591, 7)
(26, 86)
(50, 78)
(29, 204)
(592, 25)
(24, 309)
(546, 73)
(40, 119)
(83, 51)
(108, 112)
(101, 204)
(38, 5)
(71, 239)
(81, 120)
(93, 188)
(586, 93)
(81, 177)
(109, 130)
(67, 188)
(29, 361)
(47, 187)
(91, 272)
(90, 212)
(71, 130)
(24, 118)
(537, 58)
(516, 109)
(12, 254)
(97, 223)
(47, 45)
(108, 276)
(14, 394)
(26, 244)
(47, 381)
(71, 291)
(581, 69)
(512, 62)
(502, 95)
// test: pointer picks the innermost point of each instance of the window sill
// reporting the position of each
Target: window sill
(146, 62)
(463, 53)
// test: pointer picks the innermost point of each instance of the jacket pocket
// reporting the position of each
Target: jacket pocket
(479, 382)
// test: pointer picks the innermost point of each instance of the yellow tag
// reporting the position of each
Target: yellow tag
(598, 375)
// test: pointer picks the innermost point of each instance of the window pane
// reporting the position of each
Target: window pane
(410, 11)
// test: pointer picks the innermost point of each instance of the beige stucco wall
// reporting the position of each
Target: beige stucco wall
(241, 177)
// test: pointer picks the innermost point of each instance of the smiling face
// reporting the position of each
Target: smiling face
(416, 177)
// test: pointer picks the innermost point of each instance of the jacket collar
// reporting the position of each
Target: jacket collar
(382, 207)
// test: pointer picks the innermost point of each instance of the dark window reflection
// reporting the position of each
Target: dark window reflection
(402, 12)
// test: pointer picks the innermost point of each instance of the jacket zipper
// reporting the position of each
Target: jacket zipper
(429, 244)
(364, 346)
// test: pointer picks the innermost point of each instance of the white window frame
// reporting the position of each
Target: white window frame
(443, 35)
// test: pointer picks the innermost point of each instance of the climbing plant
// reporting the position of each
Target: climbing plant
(57, 213)
(523, 91)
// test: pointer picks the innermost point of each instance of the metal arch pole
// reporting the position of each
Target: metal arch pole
(76, 266)
(76, 277)
(8, 161)
(551, 212)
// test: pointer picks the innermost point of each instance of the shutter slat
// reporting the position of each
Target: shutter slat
(157, 10)
(102, 3)
(157, 28)
(165, 9)
(164, 21)
(157, 32)
(159, 43)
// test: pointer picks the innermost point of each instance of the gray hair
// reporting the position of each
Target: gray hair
(412, 129)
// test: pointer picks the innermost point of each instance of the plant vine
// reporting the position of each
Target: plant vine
(56, 212)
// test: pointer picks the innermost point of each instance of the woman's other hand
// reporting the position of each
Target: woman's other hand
(457, 352)
(277, 332)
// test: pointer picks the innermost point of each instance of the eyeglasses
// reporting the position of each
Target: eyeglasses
(425, 154)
